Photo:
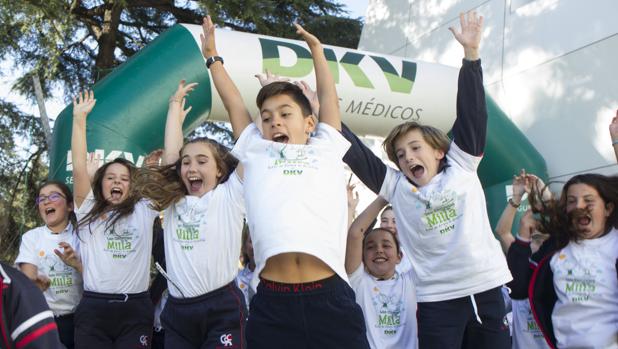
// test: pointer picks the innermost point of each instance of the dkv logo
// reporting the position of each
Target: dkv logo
(107, 157)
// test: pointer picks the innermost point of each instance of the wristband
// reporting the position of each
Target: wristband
(614, 141)
(512, 203)
(210, 60)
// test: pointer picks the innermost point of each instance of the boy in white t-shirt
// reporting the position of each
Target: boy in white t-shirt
(441, 214)
(296, 209)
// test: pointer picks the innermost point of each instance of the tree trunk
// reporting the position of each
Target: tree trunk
(106, 59)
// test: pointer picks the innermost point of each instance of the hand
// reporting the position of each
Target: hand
(178, 98)
(83, 104)
(353, 198)
(527, 225)
(93, 162)
(42, 282)
(69, 257)
(309, 38)
(613, 127)
(207, 37)
(519, 186)
(153, 158)
(311, 95)
(470, 35)
(269, 78)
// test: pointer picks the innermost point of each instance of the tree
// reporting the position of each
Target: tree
(71, 44)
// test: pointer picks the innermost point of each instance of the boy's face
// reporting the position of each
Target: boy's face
(284, 122)
(417, 160)
(380, 254)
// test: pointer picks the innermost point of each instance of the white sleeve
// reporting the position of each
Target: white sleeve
(390, 183)
(86, 206)
(27, 249)
(461, 159)
(244, 142)
(357, 276)
(235, 191)
(327, 133)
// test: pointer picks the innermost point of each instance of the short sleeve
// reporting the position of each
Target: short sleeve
(357, 276)
(327, 133)
(461, 159)
(86, 206)
(390, 183)
(234, 187)
(27, 249)
(244, 142)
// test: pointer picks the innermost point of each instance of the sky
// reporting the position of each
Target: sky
(54, 106)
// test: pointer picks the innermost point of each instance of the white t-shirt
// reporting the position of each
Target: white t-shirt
(37, 248)
(116, 259)
(203, 238)
(389, 307)
(296, 197)
(444, 227)
(526, 332)
(243, 281)
(586, 312)
(405, 265)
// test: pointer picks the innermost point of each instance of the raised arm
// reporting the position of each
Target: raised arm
(470, 128)
(356, 233)
(325, 83)
(363, 162)
(505, 223)
(613, 131)
(176, 114)
(232, 100)
(82, 106)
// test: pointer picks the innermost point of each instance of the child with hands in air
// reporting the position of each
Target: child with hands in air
(199, 190)
(296, 209)
(386, 295)
(441, 213)
(115, 231)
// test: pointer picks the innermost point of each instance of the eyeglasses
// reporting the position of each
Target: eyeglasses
(53, 197)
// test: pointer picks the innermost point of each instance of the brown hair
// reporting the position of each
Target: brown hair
(433, 136)
(163, 184)
(284, 88)
(368, 232)
(101, 205)
(555, 221)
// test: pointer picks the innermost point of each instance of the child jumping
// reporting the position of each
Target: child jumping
(296, 209)
(201, 196)
(441, 214)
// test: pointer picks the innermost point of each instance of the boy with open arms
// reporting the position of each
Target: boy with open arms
(296, 209)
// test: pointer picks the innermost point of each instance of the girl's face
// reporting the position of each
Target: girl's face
(416, 158)
(387, 221)
(53, 207)
(116, 183)
(198, 170)
(380, 254)
(589, 211)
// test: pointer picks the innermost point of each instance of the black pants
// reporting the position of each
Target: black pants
(454, 324)
(114, 321)
(66, 330)
(214, 320)
(314, 315)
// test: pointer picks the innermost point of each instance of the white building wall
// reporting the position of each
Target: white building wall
(552, 65)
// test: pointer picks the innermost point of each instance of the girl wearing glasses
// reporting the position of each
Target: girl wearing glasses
(47, 258)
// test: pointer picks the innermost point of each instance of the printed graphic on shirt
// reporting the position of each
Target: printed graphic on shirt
(578, 281)
(530, 328)
(59, 274)
(292, 161)
(390, 310)
(440, 212)
(121, 241)
(226, 339)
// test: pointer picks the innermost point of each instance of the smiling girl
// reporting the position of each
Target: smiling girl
(58, 274)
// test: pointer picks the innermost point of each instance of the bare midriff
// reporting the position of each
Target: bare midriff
(295, 267)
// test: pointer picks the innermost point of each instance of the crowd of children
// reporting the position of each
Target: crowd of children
(314, 276)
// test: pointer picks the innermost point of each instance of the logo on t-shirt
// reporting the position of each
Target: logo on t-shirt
(389, 309)
(292, 160)
(60, 275)
(441, 212)
(120, 242)
(187, 234)
(579, 279)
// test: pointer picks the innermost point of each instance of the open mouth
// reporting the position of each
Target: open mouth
(49, 211)
(280, 138)
(379, 260)
(417, 171)
(116, 194)
(581, 218)
(195, 184)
